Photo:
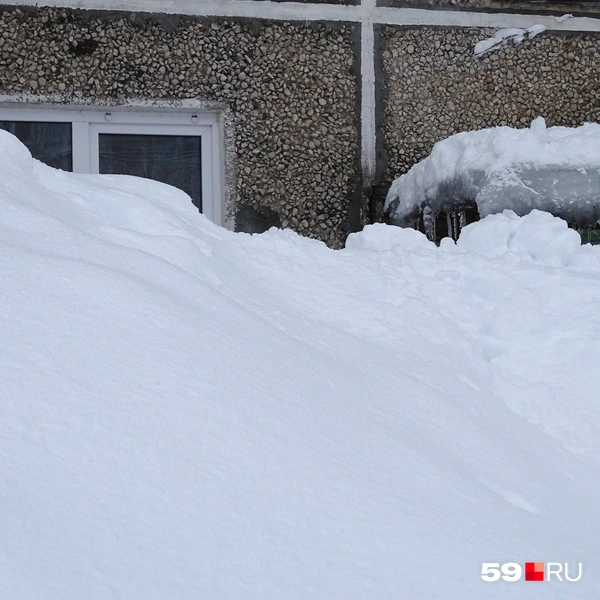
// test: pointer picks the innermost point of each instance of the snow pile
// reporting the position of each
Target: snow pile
(563, 17)
(549, 168)
(502, 36)
(190, 413)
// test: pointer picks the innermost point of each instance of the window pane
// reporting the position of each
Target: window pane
(48, 142)
(172, 159)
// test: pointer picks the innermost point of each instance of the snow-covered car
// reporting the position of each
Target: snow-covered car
(478, 173)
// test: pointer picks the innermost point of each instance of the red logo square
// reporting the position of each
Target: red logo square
(534, 571)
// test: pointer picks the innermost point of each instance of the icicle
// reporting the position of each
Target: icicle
(429, 223)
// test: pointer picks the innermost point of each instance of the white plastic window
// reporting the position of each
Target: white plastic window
(181, 147)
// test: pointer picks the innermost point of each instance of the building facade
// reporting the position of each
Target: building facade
(291, 114)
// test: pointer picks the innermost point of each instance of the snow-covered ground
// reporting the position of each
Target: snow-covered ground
(188, 413)
(549, 168)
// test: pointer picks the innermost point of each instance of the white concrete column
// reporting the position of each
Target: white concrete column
(367, 112)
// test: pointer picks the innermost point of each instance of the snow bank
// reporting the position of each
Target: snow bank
(190, 413)
(502, 36)
(556, 169)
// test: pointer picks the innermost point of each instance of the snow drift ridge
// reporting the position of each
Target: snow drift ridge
(190, 413)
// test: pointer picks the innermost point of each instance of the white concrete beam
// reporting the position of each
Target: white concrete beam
(458, 18)
(279, 11)
(296, 11)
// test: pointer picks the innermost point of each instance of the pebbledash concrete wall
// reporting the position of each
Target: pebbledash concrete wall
(435, 86)
(292, 93)
(291, 90)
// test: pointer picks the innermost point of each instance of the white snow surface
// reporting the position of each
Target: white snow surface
(548, 168)
(502, 36)
(188, 413)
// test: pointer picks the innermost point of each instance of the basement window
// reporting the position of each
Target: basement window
(48, 142)
(589, 235)
(181, 147)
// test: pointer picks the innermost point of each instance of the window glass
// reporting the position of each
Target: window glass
(590, 235)
(172, 159)
(49, 142)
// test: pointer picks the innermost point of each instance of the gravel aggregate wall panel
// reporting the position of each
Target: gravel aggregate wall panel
(435, 86)
(291, 89)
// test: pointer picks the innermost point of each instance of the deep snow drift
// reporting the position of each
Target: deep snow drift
(547, 168)
(189, 413)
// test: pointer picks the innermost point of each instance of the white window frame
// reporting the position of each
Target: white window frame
(89, 122)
